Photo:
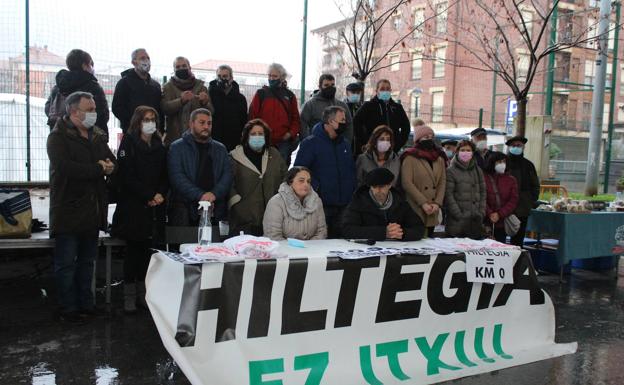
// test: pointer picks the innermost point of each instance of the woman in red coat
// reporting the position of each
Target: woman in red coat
(502, 193)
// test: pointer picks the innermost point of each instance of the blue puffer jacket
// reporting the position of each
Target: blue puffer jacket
(183, 162)
(332, 166)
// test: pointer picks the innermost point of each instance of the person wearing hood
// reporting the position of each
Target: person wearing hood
(381, 109)
(478, 136)
(312, 110)
(296, 211)
(230, 108)
(258, 171)
(277, 106)
(199, 170)
(80, 77)
(379, 212)
(136, 88)
(465, 194)
(182, 95)
(328, 155)
(528, 184)
(502, 194)
(423, 177)
(378, 153)
(139, 217)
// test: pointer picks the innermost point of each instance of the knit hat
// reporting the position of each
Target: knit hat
(379, 177)
(422, 131)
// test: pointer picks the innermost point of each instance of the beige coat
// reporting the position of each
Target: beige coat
(177, 113)
(422, 184)
(286, 217)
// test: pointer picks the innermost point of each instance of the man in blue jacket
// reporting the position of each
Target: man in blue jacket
(199, 170)
(328, 155)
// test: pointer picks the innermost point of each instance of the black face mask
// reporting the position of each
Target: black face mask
(182, 73)
(222, 83)
(427, 144)
(328, 93)
(342, 127)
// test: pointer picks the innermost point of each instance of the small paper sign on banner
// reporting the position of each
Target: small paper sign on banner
(489, 266)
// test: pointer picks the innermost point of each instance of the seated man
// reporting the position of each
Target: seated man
(380, 212)
(199, 170)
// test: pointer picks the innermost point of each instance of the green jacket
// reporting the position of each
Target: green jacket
(177, 113)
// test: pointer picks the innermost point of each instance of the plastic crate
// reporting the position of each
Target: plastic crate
(599, 263)
(545, 260)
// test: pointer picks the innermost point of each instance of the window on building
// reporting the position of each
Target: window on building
(442, 15)
(417, 63)
(620, 112)
(340, 34)
(327, 59)
(523, 66)
(592, 32)
(396, 21)
(396, 96)
(438, 64)
(594, 3)
(611, 35)
(528, 21)
(437, 106)
(621, 80)
(609, 74)
(394, 62)
(415, 106)
(589, 72)
(419, 22)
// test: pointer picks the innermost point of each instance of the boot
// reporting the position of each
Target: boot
(129, 298)
(140, 296)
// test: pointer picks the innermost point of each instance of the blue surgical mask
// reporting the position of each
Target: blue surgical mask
(515, 150)
(384, 95)
(354, 98)
(256, 142)
(449, 153)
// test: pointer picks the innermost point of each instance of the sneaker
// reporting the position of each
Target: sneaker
(72, 318)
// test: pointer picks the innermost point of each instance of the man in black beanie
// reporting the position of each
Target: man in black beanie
(380, 212)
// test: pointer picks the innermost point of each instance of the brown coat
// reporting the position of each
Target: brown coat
(178, 113)
(422, 184)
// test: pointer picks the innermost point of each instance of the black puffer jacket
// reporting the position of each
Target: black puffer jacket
(72, 81)
(364, 219)
(142, 173)
(130, 92)
(374, 113)
(230, 114)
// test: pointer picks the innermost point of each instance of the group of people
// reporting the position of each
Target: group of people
(187, 143)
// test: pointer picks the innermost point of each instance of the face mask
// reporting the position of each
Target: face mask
(383, 145)
(500, 168)
(182, 73)
(384, 95)
(449, 153)
(427, 144)
(481, 145)
(256, 142)
(342, 127)
(515, 150)
(328, 93)
(145, 65)
(274, 83)
(465, 156)
(223, 83)
(354, 98)
(148, 128)
(89, 119)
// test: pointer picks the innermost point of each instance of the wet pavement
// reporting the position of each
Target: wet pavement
(35, 348)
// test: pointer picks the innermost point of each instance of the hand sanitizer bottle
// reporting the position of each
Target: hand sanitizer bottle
(204, 231)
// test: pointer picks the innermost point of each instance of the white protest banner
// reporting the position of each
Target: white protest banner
(383, 320)
(490, 266)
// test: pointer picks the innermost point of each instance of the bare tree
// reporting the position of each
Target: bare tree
(511, 38)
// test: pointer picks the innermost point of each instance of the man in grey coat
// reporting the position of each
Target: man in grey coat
(312, 111)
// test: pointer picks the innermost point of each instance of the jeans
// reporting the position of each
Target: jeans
(74, 259)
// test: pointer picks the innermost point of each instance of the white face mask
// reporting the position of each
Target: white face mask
(89, 119)
(500, 168)
(145, 65)
(148, 128)
(383, 145)
(481, 145)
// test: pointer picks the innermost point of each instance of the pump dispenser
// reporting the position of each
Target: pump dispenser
(204, 231)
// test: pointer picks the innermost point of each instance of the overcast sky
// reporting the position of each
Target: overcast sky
(244, 30)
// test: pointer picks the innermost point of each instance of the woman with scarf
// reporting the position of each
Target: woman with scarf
(423, 177)
(258, 171)
(182, 95)
(378, 152)
(465, 194)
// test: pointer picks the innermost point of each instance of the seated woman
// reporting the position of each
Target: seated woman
(258, 171)
(378, 152)
(465, 194)
(379, 212)
(502, 193)
(296, 211)
(140, 214)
